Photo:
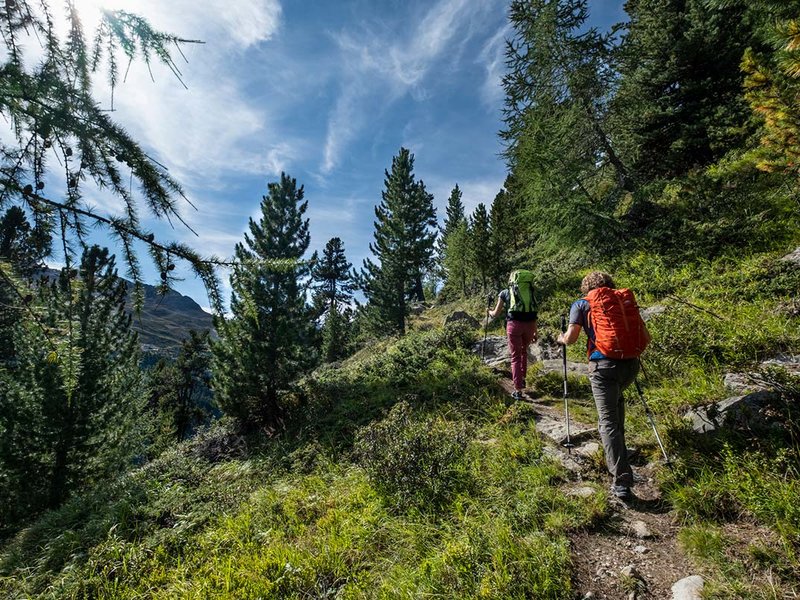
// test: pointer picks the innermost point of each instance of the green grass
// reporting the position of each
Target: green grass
(309, 513)
(299, 516)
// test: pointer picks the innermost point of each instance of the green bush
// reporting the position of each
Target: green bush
(415, 463)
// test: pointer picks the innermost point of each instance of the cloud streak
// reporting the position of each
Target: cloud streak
(387, 68)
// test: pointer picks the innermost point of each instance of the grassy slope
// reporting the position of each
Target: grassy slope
(299, 516)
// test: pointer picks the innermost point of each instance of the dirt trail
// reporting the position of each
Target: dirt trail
(641, 533)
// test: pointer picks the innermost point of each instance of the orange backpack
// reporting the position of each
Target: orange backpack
(618, 327)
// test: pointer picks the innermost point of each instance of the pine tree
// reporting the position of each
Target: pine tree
(70, 405)
(480, 246)
(334, 283)
(448, 266)
(22, 249)
(47, 99)
(267, 342)
(679, 103)
(457, 259)
(421, 233)
(332, 276)
(559, 147)
(179, 392)
(403, 245)
(772, 84)
(455, 213)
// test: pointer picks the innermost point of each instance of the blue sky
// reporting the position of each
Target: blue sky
(327, 91)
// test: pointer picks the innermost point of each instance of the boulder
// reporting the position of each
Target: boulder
(652, 311)
(688, 588)
(573, 368)
(640, 530)
(462, 317)
(793, 257)
(743, 383)
(496, 353)
(740, 412)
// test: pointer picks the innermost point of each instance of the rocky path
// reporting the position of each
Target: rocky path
(633, 554)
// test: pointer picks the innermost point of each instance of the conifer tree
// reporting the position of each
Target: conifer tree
(57, 125)
(179, 393)
(334, 283)
(455, 213)
(772, 84)
(457, 259)
(403, 245)
(453, 254)
(70, 405)
(559, 147)
(481, 246)
(267, 342)
(332, 276)
(679, 103)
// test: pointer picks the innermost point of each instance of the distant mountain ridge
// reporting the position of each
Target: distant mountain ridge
(164, 320)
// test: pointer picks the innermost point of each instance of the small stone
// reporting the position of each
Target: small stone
(588, 596)
(582, 492)
(630, 571)
(641, 549)
(640, 530)
(688, 588)
(587, 450)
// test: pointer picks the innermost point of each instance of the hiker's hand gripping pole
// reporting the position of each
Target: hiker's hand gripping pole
(568, 444)
(652, 423)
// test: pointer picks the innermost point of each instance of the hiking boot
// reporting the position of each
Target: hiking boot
(517, 395)
(622, 492)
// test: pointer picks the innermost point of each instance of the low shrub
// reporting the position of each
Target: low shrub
(415, 463)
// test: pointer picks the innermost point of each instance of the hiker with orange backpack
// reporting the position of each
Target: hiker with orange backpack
(520, 303)
(616, 337)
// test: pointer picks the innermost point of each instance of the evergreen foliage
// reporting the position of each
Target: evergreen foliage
(679, 105)
(559, 148)
(71, 402)
(772, 84)
(403, 246)
(452, 253)
(266, 342)
(334, 282)
(46, 95)
(179, 391)
(481, 250)
(332, 276)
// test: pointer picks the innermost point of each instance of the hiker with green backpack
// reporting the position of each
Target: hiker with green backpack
(616, 337)
(520, 303)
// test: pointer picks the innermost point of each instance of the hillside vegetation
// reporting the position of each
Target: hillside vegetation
(366, 451)
(405, 472)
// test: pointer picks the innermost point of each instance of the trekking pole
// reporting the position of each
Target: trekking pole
(568, 444)
(652, 423)
(489, 299)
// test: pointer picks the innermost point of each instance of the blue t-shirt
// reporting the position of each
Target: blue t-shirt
(579, 315)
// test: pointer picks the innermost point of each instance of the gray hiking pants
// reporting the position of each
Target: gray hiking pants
(609, 378)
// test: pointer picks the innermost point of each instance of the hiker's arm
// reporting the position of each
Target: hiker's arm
(497, 308)
(571, 336)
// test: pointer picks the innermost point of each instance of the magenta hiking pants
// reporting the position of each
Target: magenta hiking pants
(520, 335)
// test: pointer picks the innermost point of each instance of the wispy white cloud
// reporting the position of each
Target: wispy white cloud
(377, 62)
(492, 57)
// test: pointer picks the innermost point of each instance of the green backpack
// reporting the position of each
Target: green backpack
(520, 292)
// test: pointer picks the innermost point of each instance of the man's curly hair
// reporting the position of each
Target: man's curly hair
(596, 279)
